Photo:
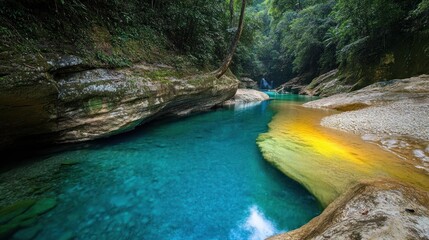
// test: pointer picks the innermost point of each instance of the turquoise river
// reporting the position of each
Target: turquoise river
(199, 177)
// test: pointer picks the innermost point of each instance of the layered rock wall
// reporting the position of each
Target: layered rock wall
(63, 100)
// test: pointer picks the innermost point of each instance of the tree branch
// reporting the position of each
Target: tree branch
(228, 59)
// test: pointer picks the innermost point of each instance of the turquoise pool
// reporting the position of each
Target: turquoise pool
(200, 177)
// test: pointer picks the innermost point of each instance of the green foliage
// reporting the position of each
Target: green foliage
(197, 28)
(291, 39)
(282, 39)
(363, 26)
(307, 33)
(113, 60)
(310, 37)
(130, 30)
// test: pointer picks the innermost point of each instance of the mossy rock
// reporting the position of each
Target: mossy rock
(27, 233)
(67, 236)
(14, 210)
(41, 206)
(70, 162)
(23, 214)
(7, 230)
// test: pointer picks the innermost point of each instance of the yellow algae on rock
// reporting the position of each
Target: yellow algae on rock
(326, 161)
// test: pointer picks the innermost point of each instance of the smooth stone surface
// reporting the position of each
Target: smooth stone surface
(371, 210)
(243, 96)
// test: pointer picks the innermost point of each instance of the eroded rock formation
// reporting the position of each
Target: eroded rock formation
(370, 210)
(64, 100)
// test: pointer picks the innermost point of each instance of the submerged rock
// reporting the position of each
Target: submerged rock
(21, 215)
(67, 236)
(10, 212)
(27, 233)
(64, 100)
(71, 162)
(370, 210)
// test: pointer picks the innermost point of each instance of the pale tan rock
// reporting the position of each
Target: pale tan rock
(370, 210)
(67, 101)
(247, 96)
(377, 94)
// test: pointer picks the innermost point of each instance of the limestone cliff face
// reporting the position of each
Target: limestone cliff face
(64, 100)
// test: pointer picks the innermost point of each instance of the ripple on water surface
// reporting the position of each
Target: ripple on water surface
(200, 177)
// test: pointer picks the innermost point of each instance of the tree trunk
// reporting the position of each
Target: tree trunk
(228, 59)
(231, 11)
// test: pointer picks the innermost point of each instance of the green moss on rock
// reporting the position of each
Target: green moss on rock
(27, 233)
(14, 210)
(40, 207)
(70, 162)
(94, 105)
(23, 214)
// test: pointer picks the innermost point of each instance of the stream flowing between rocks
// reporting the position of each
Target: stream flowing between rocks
(199, 177)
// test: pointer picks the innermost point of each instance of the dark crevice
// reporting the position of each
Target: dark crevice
(59, 73)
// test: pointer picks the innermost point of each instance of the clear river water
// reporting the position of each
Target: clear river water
(200, 177)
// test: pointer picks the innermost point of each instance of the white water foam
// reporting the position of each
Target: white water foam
(255, 227)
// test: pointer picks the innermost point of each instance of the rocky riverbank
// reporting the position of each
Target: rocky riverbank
(370, 210)
(63, 99)
(393, 114)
